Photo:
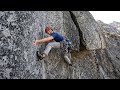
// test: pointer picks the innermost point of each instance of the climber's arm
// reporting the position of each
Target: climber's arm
(44, 40)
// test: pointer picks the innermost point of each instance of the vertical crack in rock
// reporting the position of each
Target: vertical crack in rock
(82, 42)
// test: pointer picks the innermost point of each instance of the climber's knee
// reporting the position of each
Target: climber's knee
(47, 49)
(49, 45)
(54, 44)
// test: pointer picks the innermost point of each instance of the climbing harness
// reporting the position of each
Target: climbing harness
(66, 45)
(69, 45)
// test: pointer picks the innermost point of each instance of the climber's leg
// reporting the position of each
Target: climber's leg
(65, 53)
(47, 49)
(50, 46)
(67, 59)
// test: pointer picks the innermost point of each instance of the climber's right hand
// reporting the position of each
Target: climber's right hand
(35, 42)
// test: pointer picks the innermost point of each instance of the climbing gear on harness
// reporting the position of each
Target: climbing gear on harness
(48, 28)
(66, 44)
(69, 45)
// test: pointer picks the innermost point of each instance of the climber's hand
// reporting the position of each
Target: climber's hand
(35, 42)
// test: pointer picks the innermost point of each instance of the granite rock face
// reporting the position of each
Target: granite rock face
(92, 36)
(110, 28)
(96, 53)
(115, 24)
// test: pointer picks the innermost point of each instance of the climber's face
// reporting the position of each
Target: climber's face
(50, 32)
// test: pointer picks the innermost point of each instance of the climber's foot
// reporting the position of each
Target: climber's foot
(40, 56)
(70, 64)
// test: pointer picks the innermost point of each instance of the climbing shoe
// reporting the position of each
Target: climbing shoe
(40, 56)
(71, 64)
(68, 60)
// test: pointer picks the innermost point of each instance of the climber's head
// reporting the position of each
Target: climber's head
(49, 30)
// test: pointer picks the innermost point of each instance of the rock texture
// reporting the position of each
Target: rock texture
(112, 36)
(110, 28)
(96, 52)
(115, 24)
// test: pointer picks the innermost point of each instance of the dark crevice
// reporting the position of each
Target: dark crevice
(82, 42)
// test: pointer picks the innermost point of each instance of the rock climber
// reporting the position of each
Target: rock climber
(55, 41)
